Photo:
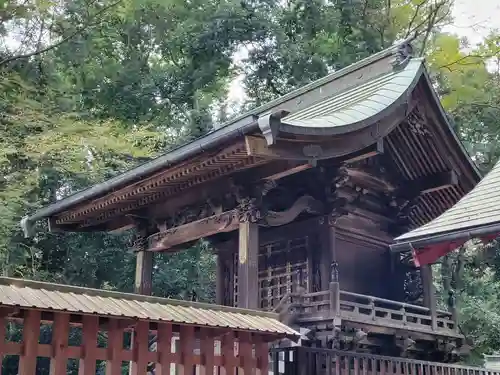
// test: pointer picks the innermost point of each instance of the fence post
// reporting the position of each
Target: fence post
(452, 308)
(429, 293)
(301, 360)
(334, 291)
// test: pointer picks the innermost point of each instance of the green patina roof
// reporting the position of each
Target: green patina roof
(358, 106)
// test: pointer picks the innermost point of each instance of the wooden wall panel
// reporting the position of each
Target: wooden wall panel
(363, 267)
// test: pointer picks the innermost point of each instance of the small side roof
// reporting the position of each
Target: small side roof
(56, 297)
(477, 214)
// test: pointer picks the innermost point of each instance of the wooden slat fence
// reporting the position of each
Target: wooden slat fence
(308, 361)
(179, 349)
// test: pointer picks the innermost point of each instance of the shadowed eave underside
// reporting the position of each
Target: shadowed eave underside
(477, 214)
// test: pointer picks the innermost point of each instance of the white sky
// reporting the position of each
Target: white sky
(474, 19)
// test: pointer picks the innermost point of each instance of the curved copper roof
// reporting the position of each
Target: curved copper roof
(358, 106)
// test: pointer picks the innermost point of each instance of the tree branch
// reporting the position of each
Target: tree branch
(461, 60)
(63, 40)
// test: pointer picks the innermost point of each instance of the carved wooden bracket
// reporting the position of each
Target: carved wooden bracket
(228, 221)
(305, 203)
(249, 210)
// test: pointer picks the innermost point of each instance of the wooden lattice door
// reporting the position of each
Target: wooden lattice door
(283, 265)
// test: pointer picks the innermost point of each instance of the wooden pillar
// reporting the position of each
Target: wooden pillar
(262, 356)
(228, 354)
(219, 282)
(248, 278)
(115, 348)
(90, 331)
(31, 335)
(327, 246)
(60, 335)
(186, 346)
(207, 347)
(140, 348)
(3, 330)
(429, 293)
(164, 349)
(143, 272)
(143, 283)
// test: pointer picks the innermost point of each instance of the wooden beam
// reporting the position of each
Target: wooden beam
(436, 182)
(273, 170)
(371, 151)
(225, 222)
(368, 180)
(305, 203)
(288, 172)
(306, 150)
(248, 278)
(428, 184)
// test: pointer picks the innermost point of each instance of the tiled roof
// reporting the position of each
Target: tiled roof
(56, 297)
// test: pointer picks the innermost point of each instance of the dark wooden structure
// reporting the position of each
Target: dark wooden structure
(300, 199)
(298, 360)
(189, 338)
(476, 215)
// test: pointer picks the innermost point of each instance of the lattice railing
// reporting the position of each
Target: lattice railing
(305, 361)
(367, 309)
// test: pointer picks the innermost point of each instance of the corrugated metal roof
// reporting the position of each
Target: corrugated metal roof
(360, 104)
(56, 297)
(478, 208)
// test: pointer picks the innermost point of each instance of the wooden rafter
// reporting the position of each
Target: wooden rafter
(162, 185)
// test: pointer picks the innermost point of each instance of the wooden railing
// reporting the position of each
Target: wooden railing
(310, 307)
(306, 361)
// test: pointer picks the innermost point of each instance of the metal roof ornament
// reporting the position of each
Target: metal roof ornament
(402, 55)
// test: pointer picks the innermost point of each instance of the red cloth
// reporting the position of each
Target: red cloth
(430, 254)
